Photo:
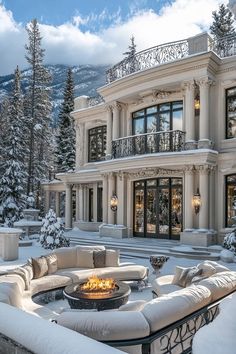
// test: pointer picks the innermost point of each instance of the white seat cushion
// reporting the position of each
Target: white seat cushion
(106, 325)
(167, 309)
(163, 285)
(49, 282)
(220, 284)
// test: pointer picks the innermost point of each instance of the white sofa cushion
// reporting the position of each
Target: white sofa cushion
(48, 282)
(111, 325)
(133, 306)
(11, 293)
(220, 284)
(167, 309)
(85, 258)
(66, 257)
(112, 258)
(164, 285)
(52, 263)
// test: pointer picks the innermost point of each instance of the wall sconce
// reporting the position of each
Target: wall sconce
(197, 201)
(114, 202)
(197, 102)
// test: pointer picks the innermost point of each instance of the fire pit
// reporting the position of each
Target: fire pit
(100, 294)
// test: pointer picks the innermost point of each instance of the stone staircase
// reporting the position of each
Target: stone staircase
(144, 247)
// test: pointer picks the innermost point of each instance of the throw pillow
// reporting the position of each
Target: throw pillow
(29, 267)
(52, 263)
(85, 258)
(112, 258)
(99, 259)
(40, 267)
(177, 275)
(187, 275)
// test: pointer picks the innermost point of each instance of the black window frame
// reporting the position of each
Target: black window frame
(227, 183)
(226, 112)
(104, 142)
(157, 113)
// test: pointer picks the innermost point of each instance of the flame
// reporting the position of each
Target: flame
(97, 284)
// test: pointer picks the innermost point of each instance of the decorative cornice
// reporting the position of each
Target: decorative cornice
(152, 172)
(162, 94)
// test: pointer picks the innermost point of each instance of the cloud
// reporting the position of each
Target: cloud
(70, 44)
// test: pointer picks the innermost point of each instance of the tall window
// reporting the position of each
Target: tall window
(231, 113)
(163, 117)
(230, 200)
(97, 138)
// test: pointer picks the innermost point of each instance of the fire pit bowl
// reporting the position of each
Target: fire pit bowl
(99, 300)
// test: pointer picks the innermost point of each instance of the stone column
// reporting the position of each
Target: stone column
(129, 206)
(189, 110)
(111, 191)
(105, 205)
(121, 193)
(47, 201)
(204, 192)
(109, 132)
(78, 152)
(116, 121)
(77, 204)
(85, 200)
(68, 207)
(188, 196)
(57, 203)
(81, 205)
(95, 202)
(204, 137)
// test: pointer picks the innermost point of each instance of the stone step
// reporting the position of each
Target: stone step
(147, 250)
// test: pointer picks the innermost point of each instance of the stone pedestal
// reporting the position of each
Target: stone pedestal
(31, 214)
(9, 243)
(111, 230)
(198, 237)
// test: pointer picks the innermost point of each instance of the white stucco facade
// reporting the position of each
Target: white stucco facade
(203, 162)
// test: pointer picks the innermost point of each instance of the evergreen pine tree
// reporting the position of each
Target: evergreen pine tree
(52, 232)
(37, 111)
(130, 56)
(13, 179)
(4, 127)
(65, 141)
(221, 27)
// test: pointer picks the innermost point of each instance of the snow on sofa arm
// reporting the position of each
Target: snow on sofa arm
(42, 337)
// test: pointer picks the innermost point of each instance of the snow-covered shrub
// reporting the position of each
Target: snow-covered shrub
(230, 241)
(52, 232)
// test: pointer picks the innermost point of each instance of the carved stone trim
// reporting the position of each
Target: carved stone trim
(204, 82)
(153, 172)
(116, 106)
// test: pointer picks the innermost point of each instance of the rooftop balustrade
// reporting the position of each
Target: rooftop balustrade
(168, 52)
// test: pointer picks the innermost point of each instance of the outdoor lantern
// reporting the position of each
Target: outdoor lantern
(114, 202)
(197, 103)
(197, 201)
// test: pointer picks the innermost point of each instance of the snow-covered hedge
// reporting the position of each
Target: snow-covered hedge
(52, 232)
(230, 241)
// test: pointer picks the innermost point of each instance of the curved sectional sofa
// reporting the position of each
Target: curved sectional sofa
(62, 267)
(132, 322)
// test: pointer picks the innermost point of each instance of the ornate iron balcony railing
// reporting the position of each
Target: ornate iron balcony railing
(148, 58)
(149, 143)
(164, 53)
(224, 47)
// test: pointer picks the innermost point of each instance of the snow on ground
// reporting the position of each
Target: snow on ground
(219, 336)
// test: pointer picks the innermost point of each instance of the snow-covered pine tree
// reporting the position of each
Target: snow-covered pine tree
(4, 126)
(222, 26)
(37, 110)
(13, 179)
(65, 140)
(52, 232)
(130, 56)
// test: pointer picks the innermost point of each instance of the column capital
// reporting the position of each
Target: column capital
(108, 108)
(203, 169)
(189, 169)
(188, 85)
(204, 82)
(116, 106)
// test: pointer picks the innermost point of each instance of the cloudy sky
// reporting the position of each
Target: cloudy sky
(97, 31)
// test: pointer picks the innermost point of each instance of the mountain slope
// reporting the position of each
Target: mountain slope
(87, 78)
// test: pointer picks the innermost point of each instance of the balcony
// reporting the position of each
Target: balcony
(149, 143)
(165, 53)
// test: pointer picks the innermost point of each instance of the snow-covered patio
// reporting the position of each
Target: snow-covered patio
(222, 323)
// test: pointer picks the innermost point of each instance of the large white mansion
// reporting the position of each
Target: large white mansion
(162, 146)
